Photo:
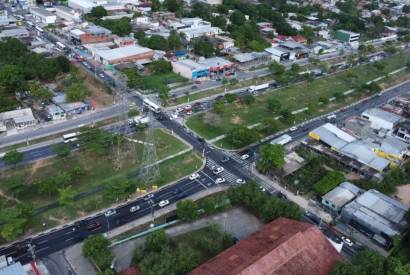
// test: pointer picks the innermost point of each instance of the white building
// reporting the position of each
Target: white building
(18, 119)
(381, 119)
(16, 33)
(85, 5)
(194, 27)
(190, 69)
(44, 16)
(68, 14)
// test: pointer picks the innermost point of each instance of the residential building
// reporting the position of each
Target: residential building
(221, 42)
(402, 131)
(68, 14)
(251, 60)
(340, 196)
(95, 34)
(44, 16)
(381, 119)
(346, 36)
(6, 21)
(374, 213)
(18, 119)
(16, 33)
(132, 53)
(194, 27)
(85, 6)
(55, 112)
(283, 246)
(190, 69)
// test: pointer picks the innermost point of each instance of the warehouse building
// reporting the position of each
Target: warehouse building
(85, 6)
(190, 69)
(67, 14)
(132, 53)
(381, 119)
(18, 119)
(340, 196)
(376, 214)
(44, 16)
(15, 33)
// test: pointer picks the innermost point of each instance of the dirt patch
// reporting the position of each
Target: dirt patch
(188, 161)
(352, 176)
(37, 165)
(236, 119)
(10, 198)
(57, 220)
(99, 96)
(403, 194)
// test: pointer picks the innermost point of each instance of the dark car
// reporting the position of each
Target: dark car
(225, 159)
(94, 225)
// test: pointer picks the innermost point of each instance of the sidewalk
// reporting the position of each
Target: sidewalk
(236, 221)
(299, 200)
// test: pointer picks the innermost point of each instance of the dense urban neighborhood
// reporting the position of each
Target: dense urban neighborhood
(204, 137)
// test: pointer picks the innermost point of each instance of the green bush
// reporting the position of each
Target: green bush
(328, 182)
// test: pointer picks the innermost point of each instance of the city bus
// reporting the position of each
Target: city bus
(151, 105)
(40, 30)
(60, 45)
(71, 137)
(30, 24)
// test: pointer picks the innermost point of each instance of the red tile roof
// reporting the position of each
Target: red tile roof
(283, 246)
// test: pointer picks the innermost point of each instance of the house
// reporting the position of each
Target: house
(55, 112)
(18, 119)
(131, 53)
(283, 246)
(380, 119)
(85, 6)
(221, 42)
(190, 69)
(299, 39)
(340, 196)
(44, 16)
(374, 213)
(194, 27)
(402, 131)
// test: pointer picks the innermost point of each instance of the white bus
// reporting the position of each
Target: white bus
(151, 105)
(40, 30)
(71, 137)
(30, 24)
(60, 45)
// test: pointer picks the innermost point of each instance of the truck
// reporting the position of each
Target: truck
(255, 88)
(138, 120)
(282, 140)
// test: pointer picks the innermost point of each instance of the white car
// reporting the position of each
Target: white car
(240, 181)
(163, 203)
(347, 241)
(218, 170)
(135, 208)
(110, 212)
(292, 129)
(194, 176)
(246, 156)
(148, 197)
(219, 180)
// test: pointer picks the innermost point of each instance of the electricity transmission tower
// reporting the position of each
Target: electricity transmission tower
(149, 171)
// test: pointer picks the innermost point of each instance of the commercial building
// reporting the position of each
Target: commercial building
(85, 6)
(278, 54)
(194, 28)
(95, 34)
(16, 33)
(67, 14)
(374, 213)
(218, 66)
(251, 60)
(6, 21)
(132, 53)
(189, 69)
(380, 119)
(340, 196)
(18, 119)
(346, 36)
(55, 112)
(283, 246)
(44, 16)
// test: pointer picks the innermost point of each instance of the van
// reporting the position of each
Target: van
(331, 117)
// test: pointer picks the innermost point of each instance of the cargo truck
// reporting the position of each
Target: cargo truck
(255, 88)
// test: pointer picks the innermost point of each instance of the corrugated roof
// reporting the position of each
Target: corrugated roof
(381, 114)
(393, 145)
(122, 52)
(283, 246)
(14, 269)
(342, 194)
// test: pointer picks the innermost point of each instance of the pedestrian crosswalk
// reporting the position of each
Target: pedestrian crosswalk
(237, 158)
(227, 175)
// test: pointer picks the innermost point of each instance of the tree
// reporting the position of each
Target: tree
(241, 136)
(164, 94)
(66, 196)
(155, 5)
(270, 125)
(209, 205)
(219, 107)
(173, 5)
(230, 98)
(237, 18)
(203, 48)
(96, 140)
(107, 272)
(212, 119)
(62, 150)
(11, 77)
(160, 66)
(155, 42)
(277, 69)
(295, 69)
(156, 241)
(339, 96)
(274, 105)
(187, 210)
(39, 92)
(14, 219)
(308, 77)
(287, 116)
(379, 65)
(15, 186)
(13, 157)
(98, 12)
(271, 156)
(248, 99)
(96, 249)
(328, 182)
(76, 92)
(174, 41)
(47, 186)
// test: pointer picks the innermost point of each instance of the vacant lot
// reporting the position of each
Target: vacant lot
(298, 96)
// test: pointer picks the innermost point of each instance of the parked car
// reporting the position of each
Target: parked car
(347, 241)
(135, 208)
(225, 159)
(292, 129)
(240, 181)
(219, 180)
(194, 176)
(245, 156)
(163, 203)
(110, 212)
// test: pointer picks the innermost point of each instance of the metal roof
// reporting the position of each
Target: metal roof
(393, 145)
(342, 194)
(122, 52)
(13, 269)
(381, 114)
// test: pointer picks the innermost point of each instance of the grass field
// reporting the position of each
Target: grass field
(296, 97)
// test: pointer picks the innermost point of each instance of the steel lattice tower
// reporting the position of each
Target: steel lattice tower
(149, 171)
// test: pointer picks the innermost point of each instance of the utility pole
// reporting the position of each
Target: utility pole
(30, 249)
(149, 171)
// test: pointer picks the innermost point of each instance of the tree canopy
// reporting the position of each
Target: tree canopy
(241, 136)
(271, 156)
(187, 210)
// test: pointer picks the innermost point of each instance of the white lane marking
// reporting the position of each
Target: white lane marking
(202, 184)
